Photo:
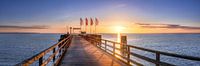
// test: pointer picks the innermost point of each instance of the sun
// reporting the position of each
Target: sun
(119, 29)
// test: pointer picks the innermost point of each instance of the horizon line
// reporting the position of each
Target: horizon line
(92, 33)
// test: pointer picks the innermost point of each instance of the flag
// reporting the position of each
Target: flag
(86, 21)
(96, 21)
(91, 21)
(81, 21)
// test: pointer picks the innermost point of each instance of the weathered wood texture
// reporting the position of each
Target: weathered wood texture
(82, 53)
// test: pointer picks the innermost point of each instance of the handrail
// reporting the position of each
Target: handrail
(103, 44)
(166, 53)
(62, 45)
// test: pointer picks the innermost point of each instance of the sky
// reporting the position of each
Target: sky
(133, 16)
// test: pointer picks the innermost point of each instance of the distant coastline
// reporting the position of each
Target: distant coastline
(26, 33)
(151, 33)
(98, 33)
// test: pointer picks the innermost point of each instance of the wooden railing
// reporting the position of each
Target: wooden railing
(58, 50)
(125, 55)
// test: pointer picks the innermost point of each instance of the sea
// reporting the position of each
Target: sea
(14, 48)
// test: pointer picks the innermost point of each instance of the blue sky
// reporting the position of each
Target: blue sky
(52, 12)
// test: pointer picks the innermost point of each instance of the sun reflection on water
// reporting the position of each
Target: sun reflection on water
(118, 45)
(118, 37)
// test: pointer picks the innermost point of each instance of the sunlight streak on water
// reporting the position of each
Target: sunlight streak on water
(118, 37)
(118, 45)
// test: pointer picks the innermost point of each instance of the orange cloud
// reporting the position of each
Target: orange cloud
(170, 26)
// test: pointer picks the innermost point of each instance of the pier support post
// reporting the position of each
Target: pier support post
(99, 40)
(54, 57)
(123, 44)
(40, 61)
(157, 59)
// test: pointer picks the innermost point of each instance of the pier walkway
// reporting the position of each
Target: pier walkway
(82, 53)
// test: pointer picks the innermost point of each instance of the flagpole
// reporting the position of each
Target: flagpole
(90, 25)
(80, 26)
(85, 28)
(96, 23)
(86, 24)
(95, 29)
(90, 28)
(67, 30)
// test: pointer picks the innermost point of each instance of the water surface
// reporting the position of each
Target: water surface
(15, 48)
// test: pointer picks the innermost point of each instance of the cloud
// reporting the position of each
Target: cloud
(120, 5)
(171, 26)
(23, 27)
(142, 24)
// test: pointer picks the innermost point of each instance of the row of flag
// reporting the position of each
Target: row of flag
(86, 23)
(96, 22)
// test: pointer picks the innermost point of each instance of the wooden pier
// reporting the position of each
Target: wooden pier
(92, 50)
(83, 53)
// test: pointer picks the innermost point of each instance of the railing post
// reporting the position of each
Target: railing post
(123, 44)
(114, 49)
(105, 45)
(99, 40)
(63, 48)
(96, 42)
(157, 59)
(40, 61)
(54, 57)
(128, 55)
(26, 64)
